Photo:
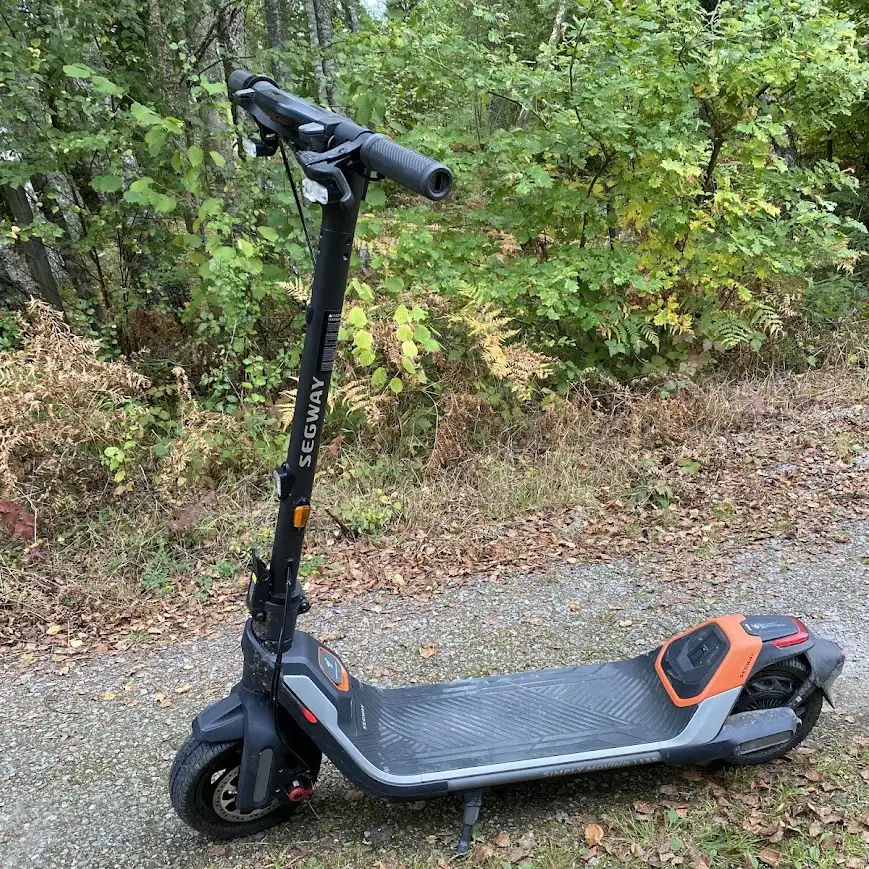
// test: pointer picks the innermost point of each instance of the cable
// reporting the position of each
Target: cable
(298, 201)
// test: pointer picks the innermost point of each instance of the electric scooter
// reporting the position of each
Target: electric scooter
(739, 689)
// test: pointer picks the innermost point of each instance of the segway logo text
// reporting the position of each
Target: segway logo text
(315, 408)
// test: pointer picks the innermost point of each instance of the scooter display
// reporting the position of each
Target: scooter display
(744, 689)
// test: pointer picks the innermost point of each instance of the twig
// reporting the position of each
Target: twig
(346, 530)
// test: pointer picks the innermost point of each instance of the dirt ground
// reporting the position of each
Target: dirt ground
(86, 752)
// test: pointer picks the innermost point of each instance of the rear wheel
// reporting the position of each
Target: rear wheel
(203, 785)
(772, 688)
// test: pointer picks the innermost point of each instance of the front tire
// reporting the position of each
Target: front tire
(771, 688)
(202, 786)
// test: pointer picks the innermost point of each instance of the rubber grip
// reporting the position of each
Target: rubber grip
(239, 79)
(414, 171)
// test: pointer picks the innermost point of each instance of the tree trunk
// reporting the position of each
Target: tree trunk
(554, 39)
(277, 37)
(174, 88)
(319, 70)
(351, 14)
(16, 282)
(33, 249)
(56, 198)
(323, 9)
(232, 36)
(203, 29)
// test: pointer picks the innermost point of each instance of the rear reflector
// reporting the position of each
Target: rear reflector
(801, 635)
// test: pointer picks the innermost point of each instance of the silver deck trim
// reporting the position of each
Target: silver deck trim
(703, 727)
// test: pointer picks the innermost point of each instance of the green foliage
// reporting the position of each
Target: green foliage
(364, 516)
(649, 213)
(643, 189)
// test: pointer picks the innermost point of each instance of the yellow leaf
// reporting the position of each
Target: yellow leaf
(54, 629)
(108, 695)
(75, 644)
(183, 689)
(593, 834)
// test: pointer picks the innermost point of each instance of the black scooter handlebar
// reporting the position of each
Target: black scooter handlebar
(408, 168)
(378, 153)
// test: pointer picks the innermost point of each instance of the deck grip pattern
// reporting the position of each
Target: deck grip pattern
(435, 728)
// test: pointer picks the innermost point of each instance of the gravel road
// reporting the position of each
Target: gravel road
(86, 755)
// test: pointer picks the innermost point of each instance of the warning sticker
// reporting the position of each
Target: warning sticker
(329, 340)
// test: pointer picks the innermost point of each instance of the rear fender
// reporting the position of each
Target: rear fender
(826, 660)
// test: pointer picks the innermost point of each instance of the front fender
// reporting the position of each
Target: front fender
(222, 721)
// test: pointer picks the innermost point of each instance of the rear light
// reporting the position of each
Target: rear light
(801, 635)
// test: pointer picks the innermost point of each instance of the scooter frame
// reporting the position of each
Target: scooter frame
(296, 698)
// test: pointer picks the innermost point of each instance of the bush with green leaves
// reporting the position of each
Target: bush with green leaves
(642, 188)
(658, 201)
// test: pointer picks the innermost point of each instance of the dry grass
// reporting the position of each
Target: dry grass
(57, 400)
(638, 463)
(594, 448)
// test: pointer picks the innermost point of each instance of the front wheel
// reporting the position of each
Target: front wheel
(772, 687)
(203, 784)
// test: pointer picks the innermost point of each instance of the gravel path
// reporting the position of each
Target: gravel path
(85, 755)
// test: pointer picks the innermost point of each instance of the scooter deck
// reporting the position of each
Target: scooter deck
(541, 714)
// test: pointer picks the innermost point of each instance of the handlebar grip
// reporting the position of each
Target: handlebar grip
(412, 170)
(239, 79)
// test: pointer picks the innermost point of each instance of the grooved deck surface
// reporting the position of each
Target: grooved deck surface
(435, 728)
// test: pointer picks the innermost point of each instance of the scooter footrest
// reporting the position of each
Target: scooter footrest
(473, 723)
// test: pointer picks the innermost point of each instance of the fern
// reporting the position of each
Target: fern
(765, 319)
(729, 330)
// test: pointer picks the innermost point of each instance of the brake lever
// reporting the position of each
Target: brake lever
(325, 168)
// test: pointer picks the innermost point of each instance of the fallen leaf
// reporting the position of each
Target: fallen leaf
(76, 643)
(54, 629)
(108, 695)
(502, 840)
(593, 834)
(483, 853)
(574, 607)
(626, 623)
(429, 650)
(182, 689)
(769, 856)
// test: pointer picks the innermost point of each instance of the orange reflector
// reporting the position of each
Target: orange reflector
(309, 716)
(300, 515)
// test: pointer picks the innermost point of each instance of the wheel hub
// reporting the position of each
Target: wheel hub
(223, 800)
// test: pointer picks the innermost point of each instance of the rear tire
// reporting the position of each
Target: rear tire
(772, 688)
(202, 788)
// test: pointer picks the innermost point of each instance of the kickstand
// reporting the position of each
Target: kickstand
(472, 802)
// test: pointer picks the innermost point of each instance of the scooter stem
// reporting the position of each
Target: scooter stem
(296, 477)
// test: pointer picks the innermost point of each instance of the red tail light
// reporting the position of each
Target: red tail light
(801, 635)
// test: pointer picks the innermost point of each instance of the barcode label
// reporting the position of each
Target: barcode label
(329, 340)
